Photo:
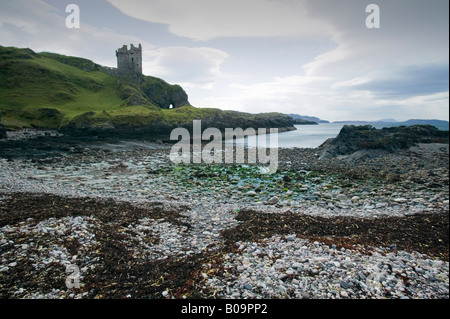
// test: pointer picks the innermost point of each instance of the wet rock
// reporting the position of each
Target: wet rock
(380, 205)
(355, 199)
(290, 238)
(273, 200)
(3, 133)
(371, 142)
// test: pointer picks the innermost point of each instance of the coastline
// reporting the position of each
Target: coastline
(218, 231)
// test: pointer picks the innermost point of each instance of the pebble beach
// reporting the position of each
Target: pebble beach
(139, 226)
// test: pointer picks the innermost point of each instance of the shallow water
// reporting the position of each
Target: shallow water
(306, 136)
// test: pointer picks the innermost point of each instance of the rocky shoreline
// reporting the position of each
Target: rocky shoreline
(138, 226)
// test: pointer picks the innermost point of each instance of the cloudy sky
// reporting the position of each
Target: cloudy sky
(310, 57)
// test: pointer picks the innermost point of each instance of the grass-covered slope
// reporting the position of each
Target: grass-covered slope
(48, 90)
(39, 90)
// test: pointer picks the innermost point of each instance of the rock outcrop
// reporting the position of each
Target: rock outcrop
(138, 89)
(371, 141)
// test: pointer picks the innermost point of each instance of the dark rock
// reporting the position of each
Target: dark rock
(2, 132)
(248, 286)
(372, 142)
(344, 284)
(362, 277)
(178, 97)
(139, 89)
(290, 238)
(2, 129)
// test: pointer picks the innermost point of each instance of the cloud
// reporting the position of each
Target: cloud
(411, 32)
(341, 53)
(322, 97)
(41, 27)
(190, 67)
(403, 82)
(283, 94)
(281, 87)
(208, 19)
(294, 56)
(404, 36)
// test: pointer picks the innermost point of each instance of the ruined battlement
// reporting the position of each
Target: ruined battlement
(129, 61)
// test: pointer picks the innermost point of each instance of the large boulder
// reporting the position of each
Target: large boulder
(352, 139)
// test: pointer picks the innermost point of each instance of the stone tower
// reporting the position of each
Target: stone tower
(129, 61)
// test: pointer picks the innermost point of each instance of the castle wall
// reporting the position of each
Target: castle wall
(129, 61)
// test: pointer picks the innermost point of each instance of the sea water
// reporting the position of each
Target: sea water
(309, 136)
(306, 136)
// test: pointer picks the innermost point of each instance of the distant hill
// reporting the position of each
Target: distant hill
(304, 122)
(307, 118)
(355, 122)
(387, 121)
(436, 123)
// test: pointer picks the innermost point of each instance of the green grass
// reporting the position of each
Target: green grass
(30, 86)
(187, 113)
(142, 115)
(80, 63)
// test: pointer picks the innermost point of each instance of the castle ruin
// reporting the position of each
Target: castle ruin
(129, 61)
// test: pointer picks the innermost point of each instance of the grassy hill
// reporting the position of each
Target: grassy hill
(48, 90)
(38, 90)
